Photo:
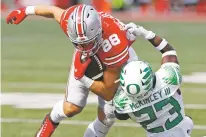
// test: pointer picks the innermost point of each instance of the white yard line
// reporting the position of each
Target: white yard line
(36, 85)
(76, 122)
(30, 85)
(58, 85)
(195, 106)
(47, 100)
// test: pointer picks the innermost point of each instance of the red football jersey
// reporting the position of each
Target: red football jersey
(114, 49)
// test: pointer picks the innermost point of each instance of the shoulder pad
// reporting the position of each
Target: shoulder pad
(171, 73)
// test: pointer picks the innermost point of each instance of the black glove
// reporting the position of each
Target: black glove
(121, 116)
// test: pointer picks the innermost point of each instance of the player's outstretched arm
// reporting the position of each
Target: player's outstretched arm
(168, 52)
(49, 12)
(18, 15)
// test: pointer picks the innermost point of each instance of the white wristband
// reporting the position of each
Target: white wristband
(162, 45)
(86, 81)
(171, 52)
(30, 10)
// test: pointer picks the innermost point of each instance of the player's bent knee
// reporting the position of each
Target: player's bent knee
(70, 109)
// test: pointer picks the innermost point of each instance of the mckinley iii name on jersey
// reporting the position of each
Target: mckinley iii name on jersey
(162, 109)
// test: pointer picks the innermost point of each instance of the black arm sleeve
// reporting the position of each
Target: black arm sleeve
(121, 116)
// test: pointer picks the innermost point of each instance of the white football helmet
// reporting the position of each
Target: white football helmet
(136, 79)
(84, 29)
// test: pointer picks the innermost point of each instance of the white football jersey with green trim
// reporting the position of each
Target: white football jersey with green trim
(163, 109)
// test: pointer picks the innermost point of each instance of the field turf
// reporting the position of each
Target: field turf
(38, 52)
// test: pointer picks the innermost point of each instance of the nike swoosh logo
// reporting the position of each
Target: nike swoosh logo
(18, 11)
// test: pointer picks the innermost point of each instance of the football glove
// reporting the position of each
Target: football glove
(134, 30)
(80, 65)
(16, 16)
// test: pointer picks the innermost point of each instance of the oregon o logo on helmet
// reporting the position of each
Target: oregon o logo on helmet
(133, 89)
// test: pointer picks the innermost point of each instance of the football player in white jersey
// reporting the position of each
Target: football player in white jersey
(153, 99)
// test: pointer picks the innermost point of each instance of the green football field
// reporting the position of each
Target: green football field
(36, 56)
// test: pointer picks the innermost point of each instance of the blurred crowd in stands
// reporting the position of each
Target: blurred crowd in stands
(143, 6)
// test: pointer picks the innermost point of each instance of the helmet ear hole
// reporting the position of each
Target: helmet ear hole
(88, 15)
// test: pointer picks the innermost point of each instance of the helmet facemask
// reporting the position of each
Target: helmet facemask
(91, 47)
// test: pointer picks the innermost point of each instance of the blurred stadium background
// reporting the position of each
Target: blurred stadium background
(36, 56)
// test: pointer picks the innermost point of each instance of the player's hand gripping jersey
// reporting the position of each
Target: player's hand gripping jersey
(162, 109)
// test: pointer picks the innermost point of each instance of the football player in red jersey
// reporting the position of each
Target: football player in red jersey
(91, 33)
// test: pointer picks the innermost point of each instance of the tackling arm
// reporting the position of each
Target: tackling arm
(168, 52)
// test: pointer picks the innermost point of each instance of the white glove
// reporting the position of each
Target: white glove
(133, 31)
(130, 34)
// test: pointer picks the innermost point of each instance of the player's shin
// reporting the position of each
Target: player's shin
(51, 120)
(57, 113)
(98, 129)
(47, 127)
